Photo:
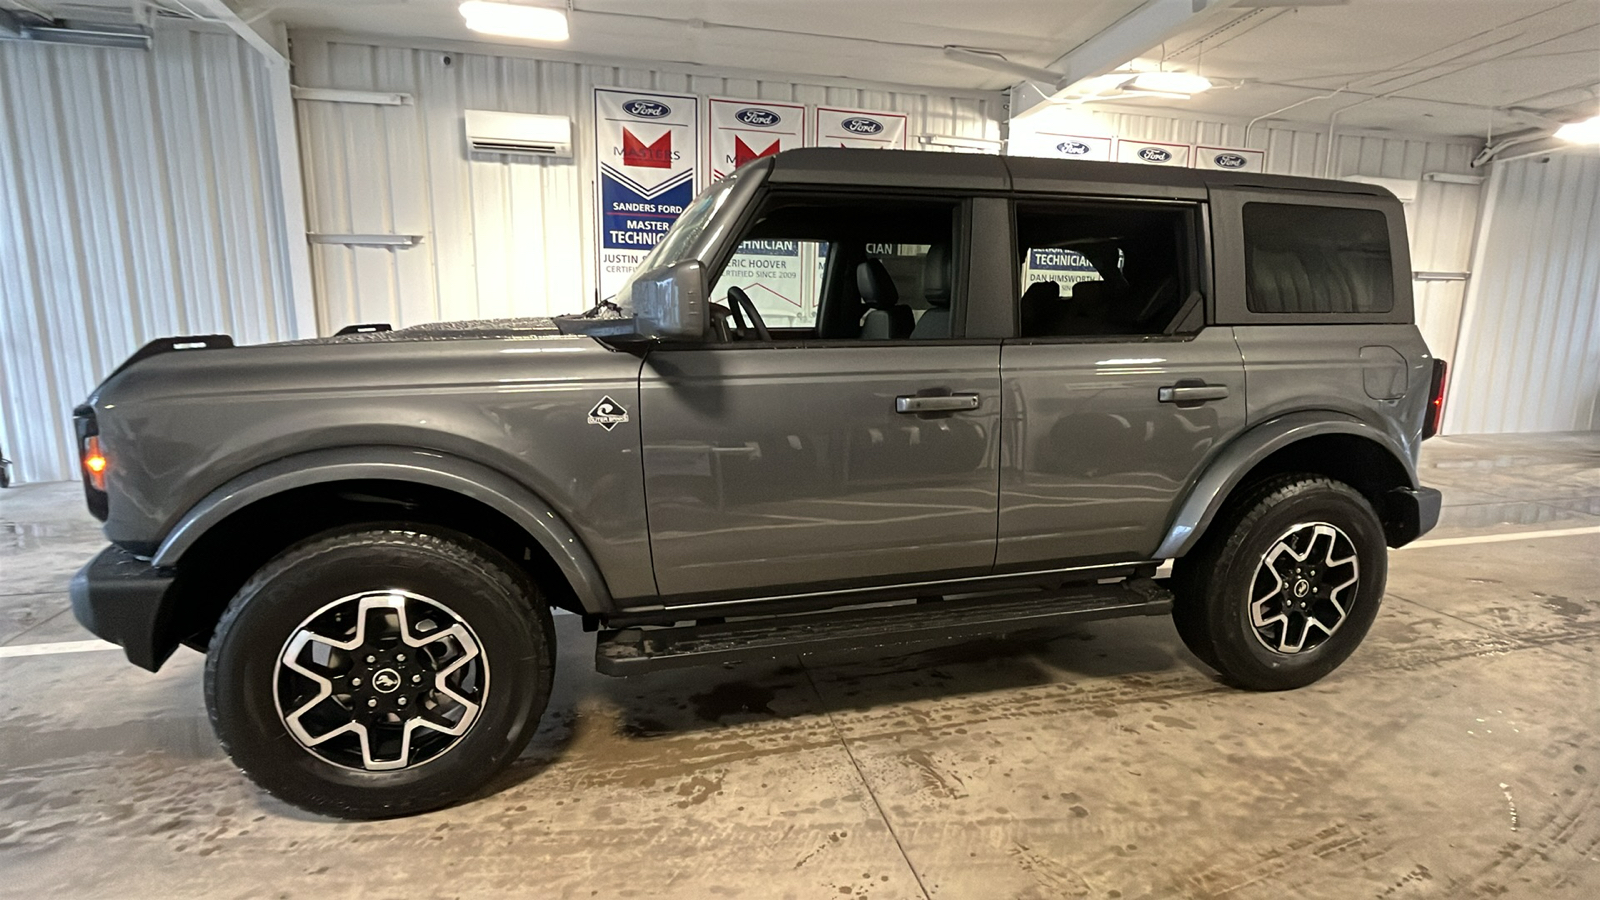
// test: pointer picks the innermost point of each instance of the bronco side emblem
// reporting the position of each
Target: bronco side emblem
(608, 414)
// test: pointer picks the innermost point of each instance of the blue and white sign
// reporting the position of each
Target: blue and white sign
(1064, 267)
(739, 131)
(1230, 159)
(1153, 153)
(647, 148)
(858, 128)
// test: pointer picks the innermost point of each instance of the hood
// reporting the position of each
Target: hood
(467, 329)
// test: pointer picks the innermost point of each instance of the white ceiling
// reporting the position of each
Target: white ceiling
(1439, 66)
(1453, 67)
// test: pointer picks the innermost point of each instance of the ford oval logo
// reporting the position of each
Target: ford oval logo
(646, 109)
(759, 118)
(862, 125)
(1229, 161)
(1154, 154)
(1072, 148)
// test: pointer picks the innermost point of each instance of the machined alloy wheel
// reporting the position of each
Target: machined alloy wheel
(1285, 583)
(381, 680)
(1304, 587)
(350, 675)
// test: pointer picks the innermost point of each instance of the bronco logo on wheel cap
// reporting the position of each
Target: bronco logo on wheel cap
(386, 681)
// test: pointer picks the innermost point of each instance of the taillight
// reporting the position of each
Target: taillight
(1435, 414)
(94, 463)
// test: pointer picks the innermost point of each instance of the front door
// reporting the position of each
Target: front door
(834, 463)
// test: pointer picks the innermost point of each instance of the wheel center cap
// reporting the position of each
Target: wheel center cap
(1301, 588)
(386, 681)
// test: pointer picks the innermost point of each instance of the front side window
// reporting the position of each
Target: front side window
(1317, 259)
(1097, 268)
(848, 267)
(780, 277)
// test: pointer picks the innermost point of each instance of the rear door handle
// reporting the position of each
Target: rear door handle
(1192, 393)
(912, 405)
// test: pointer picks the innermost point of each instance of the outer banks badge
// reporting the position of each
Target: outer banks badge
(608, 414)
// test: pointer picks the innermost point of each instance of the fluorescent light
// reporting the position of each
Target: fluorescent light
(534, 23)
(1585, 132)
(1170, 82)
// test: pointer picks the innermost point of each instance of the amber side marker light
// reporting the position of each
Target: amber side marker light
(94, 462)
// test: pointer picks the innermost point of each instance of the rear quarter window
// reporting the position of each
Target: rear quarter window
(1317, 259)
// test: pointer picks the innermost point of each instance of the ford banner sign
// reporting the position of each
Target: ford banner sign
(859, 128)
(647, 150)
(1153, 153)
(741, 131)
(1071, 146)
(1229, 159)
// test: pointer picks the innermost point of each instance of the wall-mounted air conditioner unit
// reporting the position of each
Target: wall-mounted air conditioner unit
(518, 133)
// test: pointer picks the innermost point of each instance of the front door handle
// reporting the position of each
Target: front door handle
(1183, 394)
(912, 405)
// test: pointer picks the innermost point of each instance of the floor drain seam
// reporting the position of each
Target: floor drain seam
(850, 754)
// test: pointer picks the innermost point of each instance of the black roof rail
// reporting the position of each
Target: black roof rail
(172, 344)
(370, 328)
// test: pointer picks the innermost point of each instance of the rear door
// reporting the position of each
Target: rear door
(1116, 394)
(821, 459)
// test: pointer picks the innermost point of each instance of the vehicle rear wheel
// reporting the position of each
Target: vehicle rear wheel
(1285, 585)
(381, 671)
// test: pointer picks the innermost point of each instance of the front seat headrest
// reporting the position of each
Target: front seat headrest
(936, 275)
(1039, 303)
(876, 287)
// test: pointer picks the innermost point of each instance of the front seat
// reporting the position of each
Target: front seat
(936, 278)
(887, 318)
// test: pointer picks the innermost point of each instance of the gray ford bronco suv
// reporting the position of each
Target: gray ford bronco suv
(853, 399)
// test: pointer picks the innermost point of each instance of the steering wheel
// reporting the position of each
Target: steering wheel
(740, 303)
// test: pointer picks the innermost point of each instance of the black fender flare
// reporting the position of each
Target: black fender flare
(462, 476)
(1234, 461)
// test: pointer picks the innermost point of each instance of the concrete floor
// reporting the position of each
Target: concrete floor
(1456, 755)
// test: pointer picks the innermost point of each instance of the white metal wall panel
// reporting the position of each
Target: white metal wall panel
(1529, 358)
(499, 237)
(138, 199)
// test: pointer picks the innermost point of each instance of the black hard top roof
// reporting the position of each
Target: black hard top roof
(985, 172)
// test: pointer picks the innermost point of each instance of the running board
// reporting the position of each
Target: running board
(908, 625)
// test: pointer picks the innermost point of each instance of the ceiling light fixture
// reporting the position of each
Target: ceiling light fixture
(1584, 132)
(533, 23)
(1170, 83)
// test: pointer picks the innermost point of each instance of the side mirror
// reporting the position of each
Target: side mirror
(670, 302)
(664, 303)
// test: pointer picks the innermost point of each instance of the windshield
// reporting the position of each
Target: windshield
(687, 229)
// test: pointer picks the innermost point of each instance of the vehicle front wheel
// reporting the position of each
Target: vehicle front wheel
(380, 672)
(1285, 584)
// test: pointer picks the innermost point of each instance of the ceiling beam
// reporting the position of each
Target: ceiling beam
(257, 32)
(1129, 37)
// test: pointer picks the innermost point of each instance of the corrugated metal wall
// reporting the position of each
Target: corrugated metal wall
(499, 238)
(138, 199)
(1529, 358)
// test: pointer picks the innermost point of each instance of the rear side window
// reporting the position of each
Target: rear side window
(1317, 259)
(1099, 268)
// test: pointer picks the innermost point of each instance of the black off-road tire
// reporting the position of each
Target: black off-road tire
(1213, 584)
(492, 596)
